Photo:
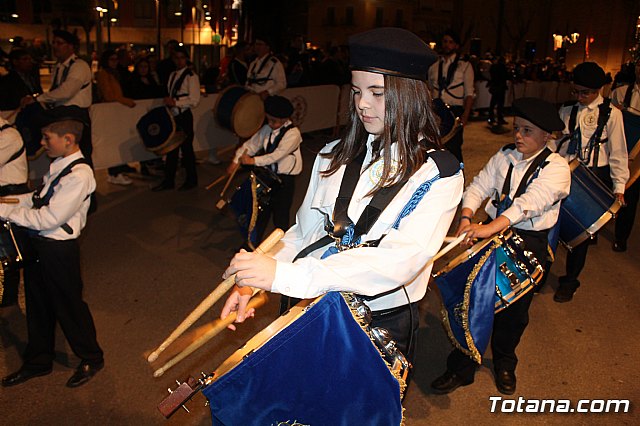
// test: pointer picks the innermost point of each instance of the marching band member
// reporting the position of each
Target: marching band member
(627, 98)
(14, 177)
(57, 213)
(266, 74)
(451, 79)
(275, 146)
(391, 146)
(525, 181)
(596, 137)
(184, 94)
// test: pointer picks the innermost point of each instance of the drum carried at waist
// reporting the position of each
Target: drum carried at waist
(449, 123)
(316, 364)
(482, 281)
(631, 133)
(589, 206)
(239, 110)
(13, 254)
(158, 131)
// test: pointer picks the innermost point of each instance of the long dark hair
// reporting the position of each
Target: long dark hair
(104, 59)
(409, 121)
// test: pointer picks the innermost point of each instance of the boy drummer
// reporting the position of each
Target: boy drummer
(56, 213)
(525, 182)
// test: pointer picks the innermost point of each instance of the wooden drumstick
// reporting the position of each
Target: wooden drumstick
(233, 173)
(9, 200)
(215, 328)
(452, 244)
(213, 297)
(215, 182)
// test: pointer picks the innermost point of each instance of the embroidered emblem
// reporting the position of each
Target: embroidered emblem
(375, 171)
(299, 110)
(590, 119)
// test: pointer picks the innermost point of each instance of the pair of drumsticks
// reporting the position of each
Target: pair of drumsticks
(217, 326)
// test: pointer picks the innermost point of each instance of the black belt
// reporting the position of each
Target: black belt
(392, 311)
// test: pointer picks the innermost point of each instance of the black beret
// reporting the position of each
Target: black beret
(541, 113)
(391, 51)
(590, 75)
(67, 36)
(278, 107)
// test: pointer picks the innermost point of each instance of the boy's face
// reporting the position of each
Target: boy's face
(56, 145)
(274, 122)
(528, 137)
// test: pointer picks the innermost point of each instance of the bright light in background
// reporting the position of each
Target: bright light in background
(15, 15)
(178, 13)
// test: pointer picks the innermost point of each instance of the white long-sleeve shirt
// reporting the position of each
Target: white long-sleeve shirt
(287, 155)
(187, 96)
(538, 207)
(613, 152)
(69, 203)
(461, 84)
(275, 79)
(403, 254)
(15, 172)
(75, 89)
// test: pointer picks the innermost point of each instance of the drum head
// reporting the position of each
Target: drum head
(248, 115)
(156, 128)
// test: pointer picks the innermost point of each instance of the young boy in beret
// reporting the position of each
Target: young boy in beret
(595, 136)
(529, 202)
(56, 213)
(275, 146)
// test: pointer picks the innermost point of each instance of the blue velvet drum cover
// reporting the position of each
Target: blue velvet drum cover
(589, 206)
(319, 369)
(480, 282)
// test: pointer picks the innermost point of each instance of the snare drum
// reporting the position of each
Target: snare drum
(449, 123)
(247, 208)
(239, 110)
(631, 133)
(157, 128)
(482, 281)
(589, 206)
(316, 365)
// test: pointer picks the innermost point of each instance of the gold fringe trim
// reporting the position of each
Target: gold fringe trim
(472, 352)
(347, 297)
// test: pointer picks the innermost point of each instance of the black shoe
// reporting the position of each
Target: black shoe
(23, 375)
(83, 374)
(506, 382)
(502, 121)
(619, 246)
(448, 382)
(187, 186)
(164, 186)
(565, 293)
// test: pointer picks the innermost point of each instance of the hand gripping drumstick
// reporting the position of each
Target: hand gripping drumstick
(226, 185)
(213, 297)
(259, 299)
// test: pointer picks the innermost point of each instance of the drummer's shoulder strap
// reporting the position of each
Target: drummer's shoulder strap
(178, 84)
(19, 152)
(276, 141)
(626, 102)
(538, 163)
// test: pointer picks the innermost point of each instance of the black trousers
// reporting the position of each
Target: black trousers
(279, 207)
(454, 145)
(627, 214)
(497, 103)
(53, 288)
(508, 325)
(576, 258)
(184, 122)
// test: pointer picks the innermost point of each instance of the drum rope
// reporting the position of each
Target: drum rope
(418, 194)
(254, 209)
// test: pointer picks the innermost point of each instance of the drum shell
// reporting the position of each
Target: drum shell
(240, 110)
(449, 124)
(589, 206)
(157, 128)
(631, 133)
(322, 364)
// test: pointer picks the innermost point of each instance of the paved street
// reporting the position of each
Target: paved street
(149, 258)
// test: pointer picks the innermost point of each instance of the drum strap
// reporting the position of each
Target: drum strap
(627, 96)
(575, 142)
(253, 73)
(39, 202)
(178, 84)
(504, 202)
(273, 144)
(444, 82)
(19, 152)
